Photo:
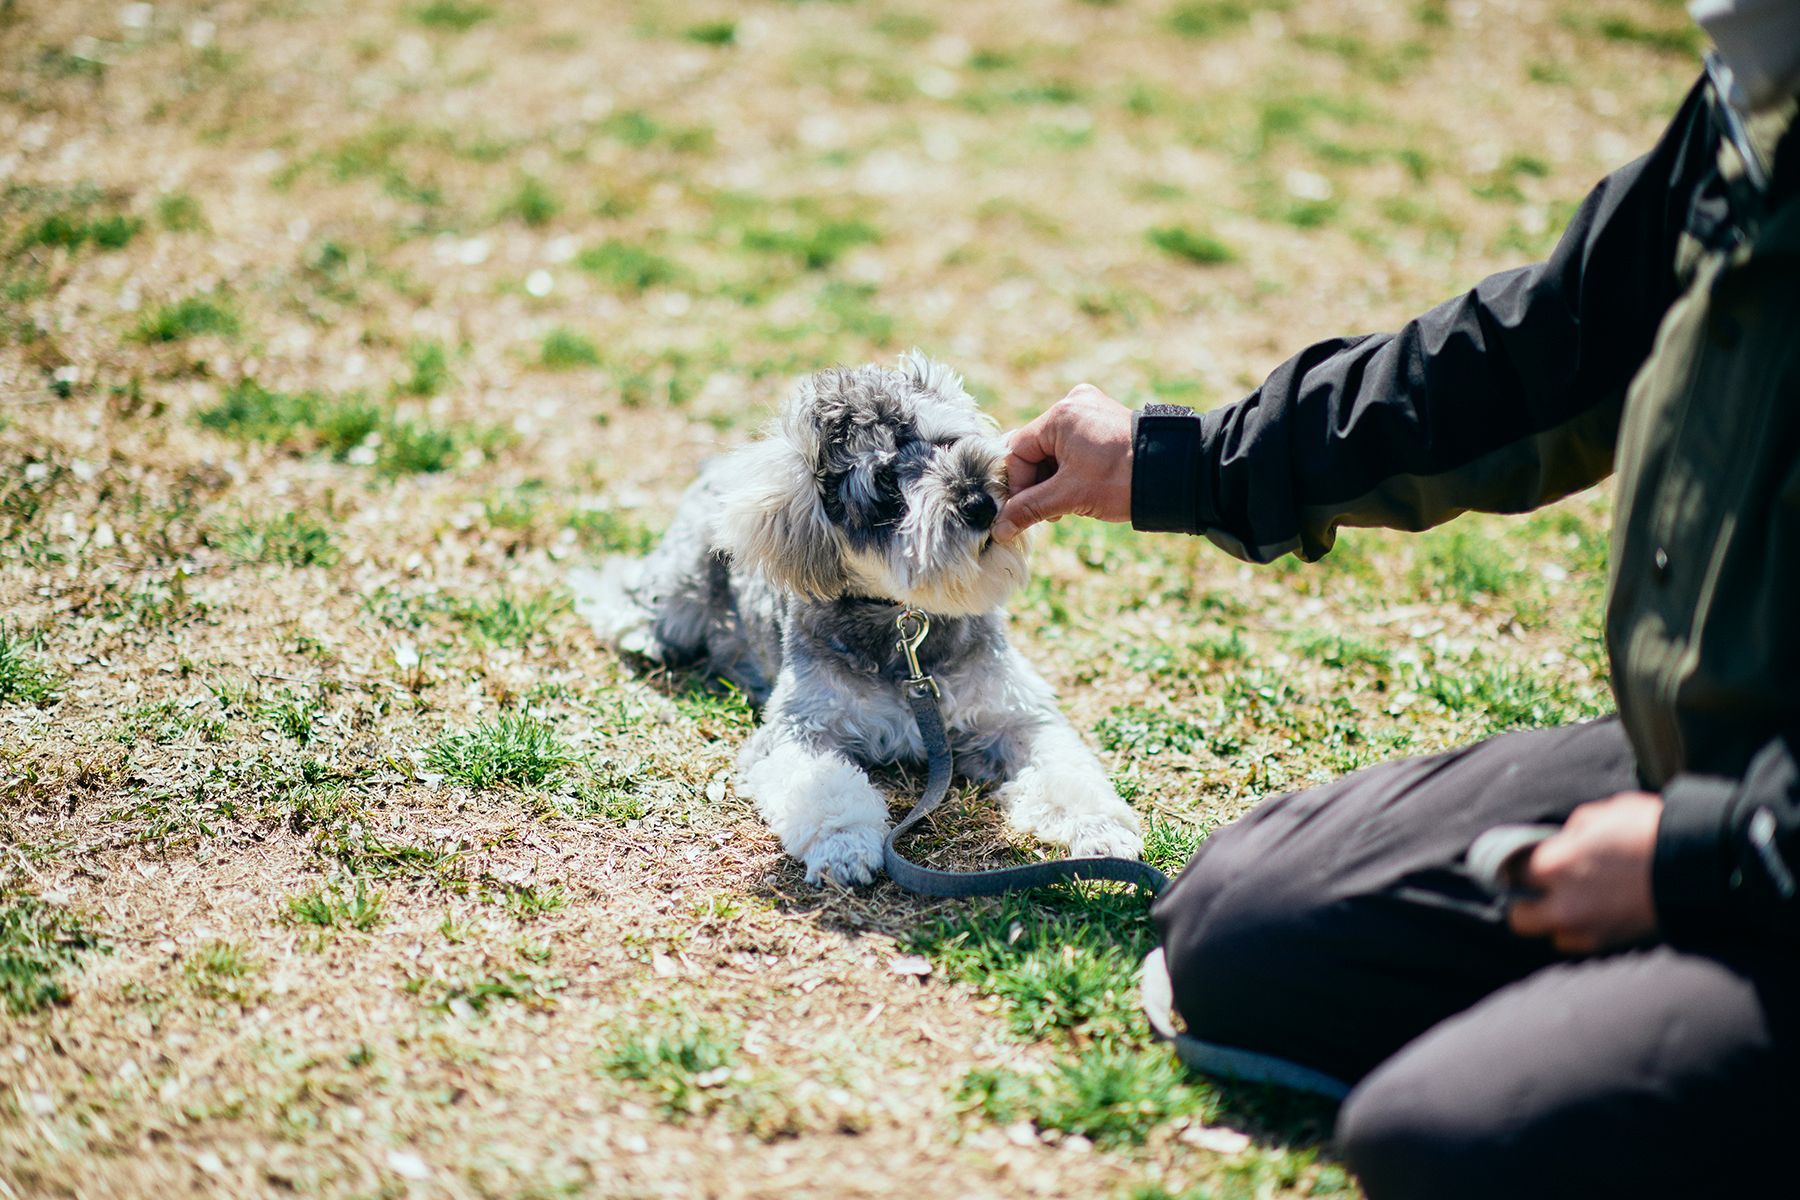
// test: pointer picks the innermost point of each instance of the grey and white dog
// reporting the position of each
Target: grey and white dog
(785, 568)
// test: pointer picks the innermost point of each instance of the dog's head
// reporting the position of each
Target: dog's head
(880, 483)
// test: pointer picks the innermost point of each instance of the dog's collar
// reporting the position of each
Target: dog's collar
(879, 601)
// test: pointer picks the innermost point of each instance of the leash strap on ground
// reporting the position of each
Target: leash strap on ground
(921, 694)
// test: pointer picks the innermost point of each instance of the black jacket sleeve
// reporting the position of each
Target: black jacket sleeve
(1728, 851)
(1503, 399)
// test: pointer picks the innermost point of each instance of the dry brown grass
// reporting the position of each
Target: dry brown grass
(244, 707)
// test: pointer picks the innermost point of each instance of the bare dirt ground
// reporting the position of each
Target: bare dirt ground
(336, 857)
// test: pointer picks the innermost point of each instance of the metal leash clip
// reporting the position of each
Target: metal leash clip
(910, 641)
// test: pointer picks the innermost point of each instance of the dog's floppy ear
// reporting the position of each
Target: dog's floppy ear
(774, 517)
(929, 375)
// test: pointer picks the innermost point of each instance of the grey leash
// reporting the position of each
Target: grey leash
(922, 694)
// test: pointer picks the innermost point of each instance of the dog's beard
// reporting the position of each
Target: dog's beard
(936, 562)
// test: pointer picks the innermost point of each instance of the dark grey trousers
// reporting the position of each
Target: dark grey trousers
(1335, 928)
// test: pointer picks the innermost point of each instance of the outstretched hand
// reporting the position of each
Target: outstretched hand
(1593, 878)
(1075, 458)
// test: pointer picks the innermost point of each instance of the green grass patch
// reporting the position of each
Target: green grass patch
(1168, 844)
(713, 33)
(1463, 563)
(1114, 1096)
(24, 679)
(613, 805)
(523, 902)
(221, 970)
(348, 428)
(410, 448)
(1510, 697)
(1345, 652)
(473, 994)
(532, 202)
(72, 229)
(1685, 39)
(683, 1067)
(508, 619)
(609, 531)
(292, 716)
(1192, 246)
(814, 243)
(330, 907)
(637, 129)
(1148, 732)
(1063, 965)
(169, 721)
(38, 942)
(627, 267)
(720, 710)
(455, 15)
(179, 212)
(1214, 18)
(516, 749)
(427, 369)
(193, 316)
(564, 349)
(292, 539)
(850, 308)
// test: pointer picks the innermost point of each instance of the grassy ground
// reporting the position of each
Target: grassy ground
(335, 857)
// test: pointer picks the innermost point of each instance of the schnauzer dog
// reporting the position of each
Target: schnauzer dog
(783, 573)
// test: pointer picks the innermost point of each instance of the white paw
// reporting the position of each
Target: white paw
(1074, 808)
(1098, 837)
(845, 857)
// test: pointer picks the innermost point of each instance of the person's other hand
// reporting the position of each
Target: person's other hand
(1593, 877)
(1075, 458)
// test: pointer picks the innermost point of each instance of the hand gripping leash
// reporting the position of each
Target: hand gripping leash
(921, 692)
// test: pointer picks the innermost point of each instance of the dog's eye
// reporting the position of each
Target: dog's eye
(887, 486)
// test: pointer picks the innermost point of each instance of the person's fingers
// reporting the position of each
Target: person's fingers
(1025, 509)
(1530, 918)
(1022, 473)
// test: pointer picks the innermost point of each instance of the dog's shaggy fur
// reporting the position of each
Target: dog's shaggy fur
(783, 572)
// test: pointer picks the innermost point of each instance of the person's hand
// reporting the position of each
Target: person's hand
(1075, 458)
(1594, 877)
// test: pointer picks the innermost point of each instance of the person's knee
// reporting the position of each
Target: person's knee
(1402, 1143)
(1235, 944)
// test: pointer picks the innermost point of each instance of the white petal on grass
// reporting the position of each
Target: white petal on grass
(1307, 185)
(936, 82)
(1216, 1138)
(407, 1166)
(540, 283)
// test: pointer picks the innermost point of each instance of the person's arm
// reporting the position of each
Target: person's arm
(1728, 850)
(1501, 400)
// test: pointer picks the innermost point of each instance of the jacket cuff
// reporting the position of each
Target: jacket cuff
(1690, 878)
(1165, 469)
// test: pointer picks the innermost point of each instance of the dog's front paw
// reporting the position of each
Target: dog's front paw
(1076, 808)
(845, 857)
(1099, 837)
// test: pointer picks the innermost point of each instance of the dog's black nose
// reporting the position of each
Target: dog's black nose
(979, 511)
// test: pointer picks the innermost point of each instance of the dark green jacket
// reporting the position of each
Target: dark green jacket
(1663, 335)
